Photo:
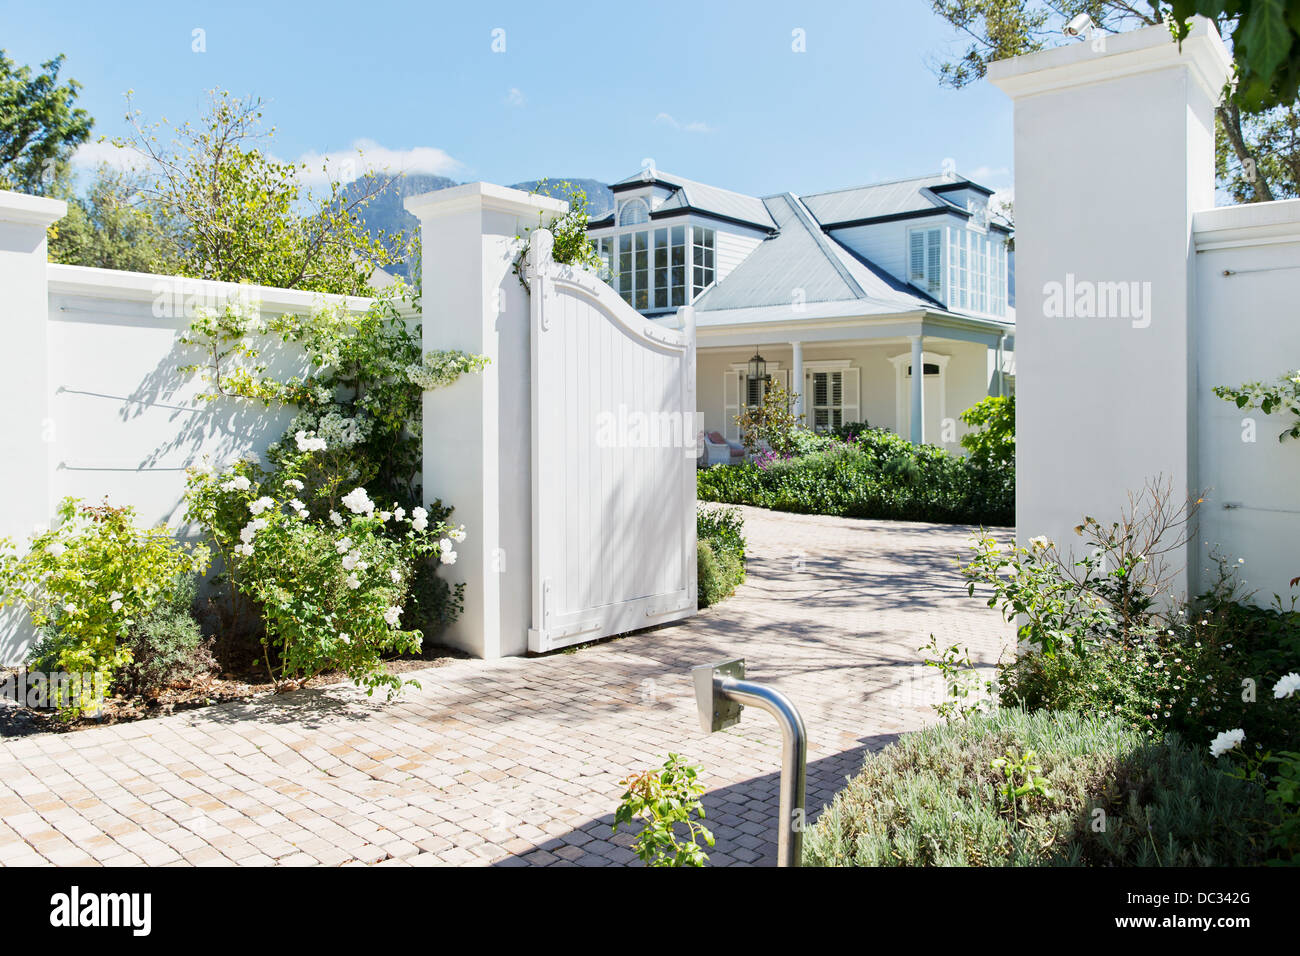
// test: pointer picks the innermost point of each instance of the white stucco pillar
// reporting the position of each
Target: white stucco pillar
(477, 432)
(1114, 152)
(796, 379)
(24, 384)
(917, 417)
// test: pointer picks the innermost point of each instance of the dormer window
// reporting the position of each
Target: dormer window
(633, 212)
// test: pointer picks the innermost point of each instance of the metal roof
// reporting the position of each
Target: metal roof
(689, 194)
(886, 199)
(800, 258)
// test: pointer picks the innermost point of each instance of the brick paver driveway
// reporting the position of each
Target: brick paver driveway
(517, 761)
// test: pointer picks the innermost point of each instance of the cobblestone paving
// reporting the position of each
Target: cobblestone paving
(517, 762)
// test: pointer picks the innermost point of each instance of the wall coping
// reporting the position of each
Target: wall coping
(30, 210)
(1250, 224)
(481, 195)
(146, 286)
(1127, 54)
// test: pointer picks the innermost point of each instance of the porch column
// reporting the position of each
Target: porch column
(796, 378)
(1001, 357)
(918, 392)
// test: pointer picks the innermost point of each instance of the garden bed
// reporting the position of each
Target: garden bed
(18, 720)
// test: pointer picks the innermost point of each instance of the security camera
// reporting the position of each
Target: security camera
(1079, 26)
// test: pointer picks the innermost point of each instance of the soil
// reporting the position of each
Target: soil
(17, 720)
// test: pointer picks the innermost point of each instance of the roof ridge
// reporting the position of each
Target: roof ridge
(887, 182)
(809, 222)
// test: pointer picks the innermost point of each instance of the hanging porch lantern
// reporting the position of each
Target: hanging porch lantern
(758, 368)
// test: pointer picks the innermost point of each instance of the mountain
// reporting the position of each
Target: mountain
(386, 212)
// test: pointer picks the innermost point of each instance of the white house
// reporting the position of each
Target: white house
(842, 294)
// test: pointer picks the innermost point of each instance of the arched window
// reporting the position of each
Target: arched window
(634, 212)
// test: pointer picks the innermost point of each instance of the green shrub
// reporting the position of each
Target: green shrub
(1107, 797)
(167, 644)
(876, 475)
(719, 571)
(992, 440)
(720, 553)
(86, 584)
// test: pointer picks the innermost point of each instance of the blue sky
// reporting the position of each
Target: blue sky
(708, 90)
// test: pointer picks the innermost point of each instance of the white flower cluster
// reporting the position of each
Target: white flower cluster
(358, 502)
(261, 504)
(294, 484)
(442, 368)
(237, 483)
(393, 615)
(419, 519)
(308, 444)
(333, 427)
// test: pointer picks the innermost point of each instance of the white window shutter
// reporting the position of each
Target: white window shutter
(852, 412)
(917, 255)
(731, 403)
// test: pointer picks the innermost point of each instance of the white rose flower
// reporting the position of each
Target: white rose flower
(358, 502)
(296, 505)
(447, 557)
(419, 524)
(294, 483)
(392, 616)
(56, 549)
(1287, 686)
(385, 515)
(400, 514)
(337, 519)
(260, 505)
(245, 549)
(458, 535)
(446, 544)
(396, 575)
(354, 582)
(237, 483)
(419, 514)
(344, 546)
(1228, 740)
(345, 638)
(350, 561)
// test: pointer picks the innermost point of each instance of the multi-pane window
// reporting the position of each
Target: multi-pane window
(703, 260)
(605, 252)
(924, 249)
(649, 271)
(633, 213)
(977, 272)
(827, 400)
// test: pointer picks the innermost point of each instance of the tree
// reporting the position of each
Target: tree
(113, 227)
(1258, 151)
(39, 126)
(239, 215)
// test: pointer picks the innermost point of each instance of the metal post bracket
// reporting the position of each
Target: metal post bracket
(716, 711)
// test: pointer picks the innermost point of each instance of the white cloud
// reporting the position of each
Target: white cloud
(514, 97)
(93, 155)
(366, 155)
(695, 127)
(984, 175)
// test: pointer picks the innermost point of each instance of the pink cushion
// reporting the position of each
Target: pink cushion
(716, 438)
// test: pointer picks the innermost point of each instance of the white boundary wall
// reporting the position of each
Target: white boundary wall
(1115, 184)
(94, 404)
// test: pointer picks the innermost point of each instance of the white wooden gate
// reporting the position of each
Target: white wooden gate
(614, 437)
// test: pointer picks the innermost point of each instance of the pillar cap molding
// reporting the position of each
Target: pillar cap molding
(1148, 50)
(28, 210)
(482, 196)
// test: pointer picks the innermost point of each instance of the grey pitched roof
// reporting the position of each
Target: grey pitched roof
(899, 197)
(689, 194)
(801, 256)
